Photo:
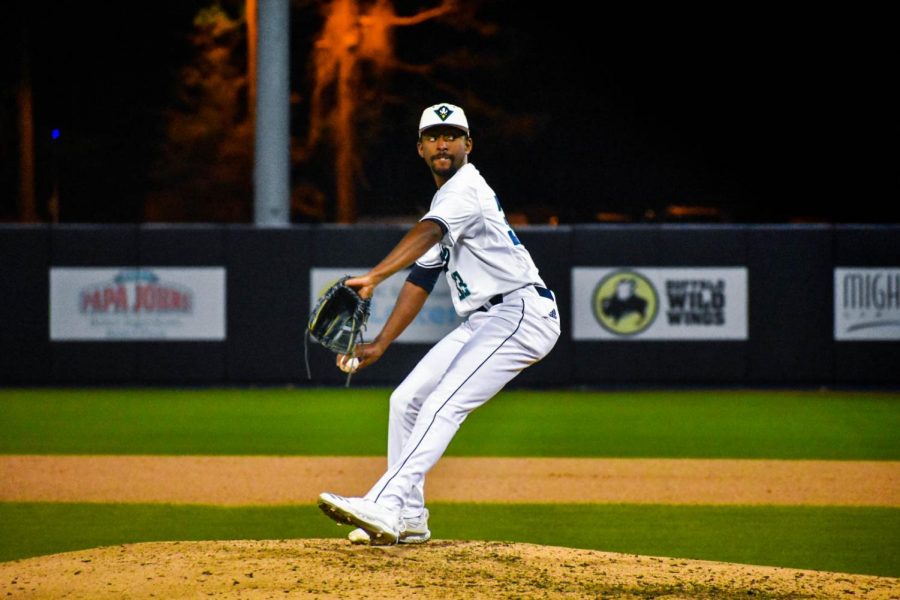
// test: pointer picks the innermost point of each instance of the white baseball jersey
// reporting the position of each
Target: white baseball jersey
(481, 253)
(483, 258)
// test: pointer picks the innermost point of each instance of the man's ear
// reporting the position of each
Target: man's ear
(421, 149)
(468, 144)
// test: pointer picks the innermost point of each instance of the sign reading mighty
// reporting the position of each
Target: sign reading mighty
(866, 304)
(130, 303)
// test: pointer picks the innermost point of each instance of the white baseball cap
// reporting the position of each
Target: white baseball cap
(443, 114)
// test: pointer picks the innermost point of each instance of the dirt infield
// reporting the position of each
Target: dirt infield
(298, 480)
(440, 569)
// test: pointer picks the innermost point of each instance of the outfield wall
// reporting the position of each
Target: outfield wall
(640, 304)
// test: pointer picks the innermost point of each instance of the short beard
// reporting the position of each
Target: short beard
(445, 173)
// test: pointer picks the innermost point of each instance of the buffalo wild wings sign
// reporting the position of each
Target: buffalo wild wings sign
(659, 303)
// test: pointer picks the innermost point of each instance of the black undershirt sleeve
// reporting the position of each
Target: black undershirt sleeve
(424, 278)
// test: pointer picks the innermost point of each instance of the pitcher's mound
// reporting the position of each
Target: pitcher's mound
(439, 569)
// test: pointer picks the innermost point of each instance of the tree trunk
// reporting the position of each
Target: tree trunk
(25, 104)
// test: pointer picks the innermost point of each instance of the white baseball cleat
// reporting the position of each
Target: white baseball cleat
(383, 525)
(415, 531)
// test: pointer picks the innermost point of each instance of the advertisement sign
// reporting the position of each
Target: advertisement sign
(657, 303)
(436, 319)
(130, 303)
(866, 303)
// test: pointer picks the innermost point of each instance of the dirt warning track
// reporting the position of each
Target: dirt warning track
(262, 480)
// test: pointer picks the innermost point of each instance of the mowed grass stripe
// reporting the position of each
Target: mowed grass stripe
(683, 424)
(844, 539)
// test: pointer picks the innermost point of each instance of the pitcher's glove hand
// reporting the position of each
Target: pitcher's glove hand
(339, 318)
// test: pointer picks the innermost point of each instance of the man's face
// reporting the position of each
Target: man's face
(445, 149)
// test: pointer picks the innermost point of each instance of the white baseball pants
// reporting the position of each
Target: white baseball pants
(460, 373)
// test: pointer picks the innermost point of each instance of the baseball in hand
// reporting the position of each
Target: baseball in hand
(349, 365)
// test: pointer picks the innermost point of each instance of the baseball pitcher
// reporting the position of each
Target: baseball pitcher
(511, 322)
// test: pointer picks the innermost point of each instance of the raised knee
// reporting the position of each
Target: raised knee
(400, 400)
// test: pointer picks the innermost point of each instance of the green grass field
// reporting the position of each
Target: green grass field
(786, 425)
(823, 538)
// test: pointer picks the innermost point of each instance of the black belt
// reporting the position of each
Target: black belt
(542, 291)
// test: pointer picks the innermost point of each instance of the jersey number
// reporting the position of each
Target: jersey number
(512, 234)
(461, 286)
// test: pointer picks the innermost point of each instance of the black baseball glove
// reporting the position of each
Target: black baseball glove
(339, 318)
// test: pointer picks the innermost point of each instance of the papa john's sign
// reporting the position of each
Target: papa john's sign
(129, 303)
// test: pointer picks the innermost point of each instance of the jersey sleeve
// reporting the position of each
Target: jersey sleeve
(432, 259)
(457, 214)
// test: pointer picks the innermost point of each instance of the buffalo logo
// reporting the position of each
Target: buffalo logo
(625, 303)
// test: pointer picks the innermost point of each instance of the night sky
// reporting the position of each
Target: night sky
(770, 116)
